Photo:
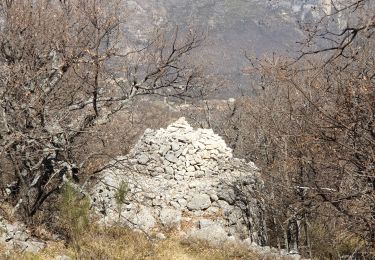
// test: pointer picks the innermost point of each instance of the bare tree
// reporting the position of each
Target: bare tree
(310, 128)
(313, 133)
(63, 71)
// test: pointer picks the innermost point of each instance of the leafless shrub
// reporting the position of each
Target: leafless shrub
(63, 73)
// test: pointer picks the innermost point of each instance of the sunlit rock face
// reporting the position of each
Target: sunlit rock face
(185, 179)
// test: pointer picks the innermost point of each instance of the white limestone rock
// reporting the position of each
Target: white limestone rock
(170, 217)
(15, 236)
(143, 219)
(214, 234)
(179, 171)
(199, 202)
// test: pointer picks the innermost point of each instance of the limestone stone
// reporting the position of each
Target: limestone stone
(199, 174)
(213, 210)
(28, 246)
(225, 206)
(227, 195)
(213, 234)
(234, 216)
(171, 157)
(192, 151)
(182, 202)
(143, 219)
(168, 177)
(160, 236)
(203, 223)
(178, 177)
(199, 202)
(211, 147)
(143, 159)
(175, 146)
(154, 173)
(158, 169)
(170, 217)
(164, 149)
(214, 197)
(169, 170)
(177, 154)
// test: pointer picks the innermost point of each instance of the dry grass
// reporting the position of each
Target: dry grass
(121, 243)
(176, 249)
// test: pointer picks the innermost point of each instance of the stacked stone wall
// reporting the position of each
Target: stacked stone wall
(185, 179)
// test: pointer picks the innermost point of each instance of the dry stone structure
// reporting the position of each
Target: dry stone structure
(185, 179)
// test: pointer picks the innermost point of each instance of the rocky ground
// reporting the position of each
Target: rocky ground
(15, 236)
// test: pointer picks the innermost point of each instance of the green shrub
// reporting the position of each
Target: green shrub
(74, 214)
(120, 196)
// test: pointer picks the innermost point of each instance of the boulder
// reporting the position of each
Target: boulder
(199, 202)
(170, 217)
(143, 219)
(214, 234)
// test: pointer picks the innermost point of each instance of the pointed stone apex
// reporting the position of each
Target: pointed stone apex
(180, 123)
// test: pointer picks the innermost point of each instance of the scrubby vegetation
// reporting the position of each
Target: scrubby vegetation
(69, 84)
(121, 243)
